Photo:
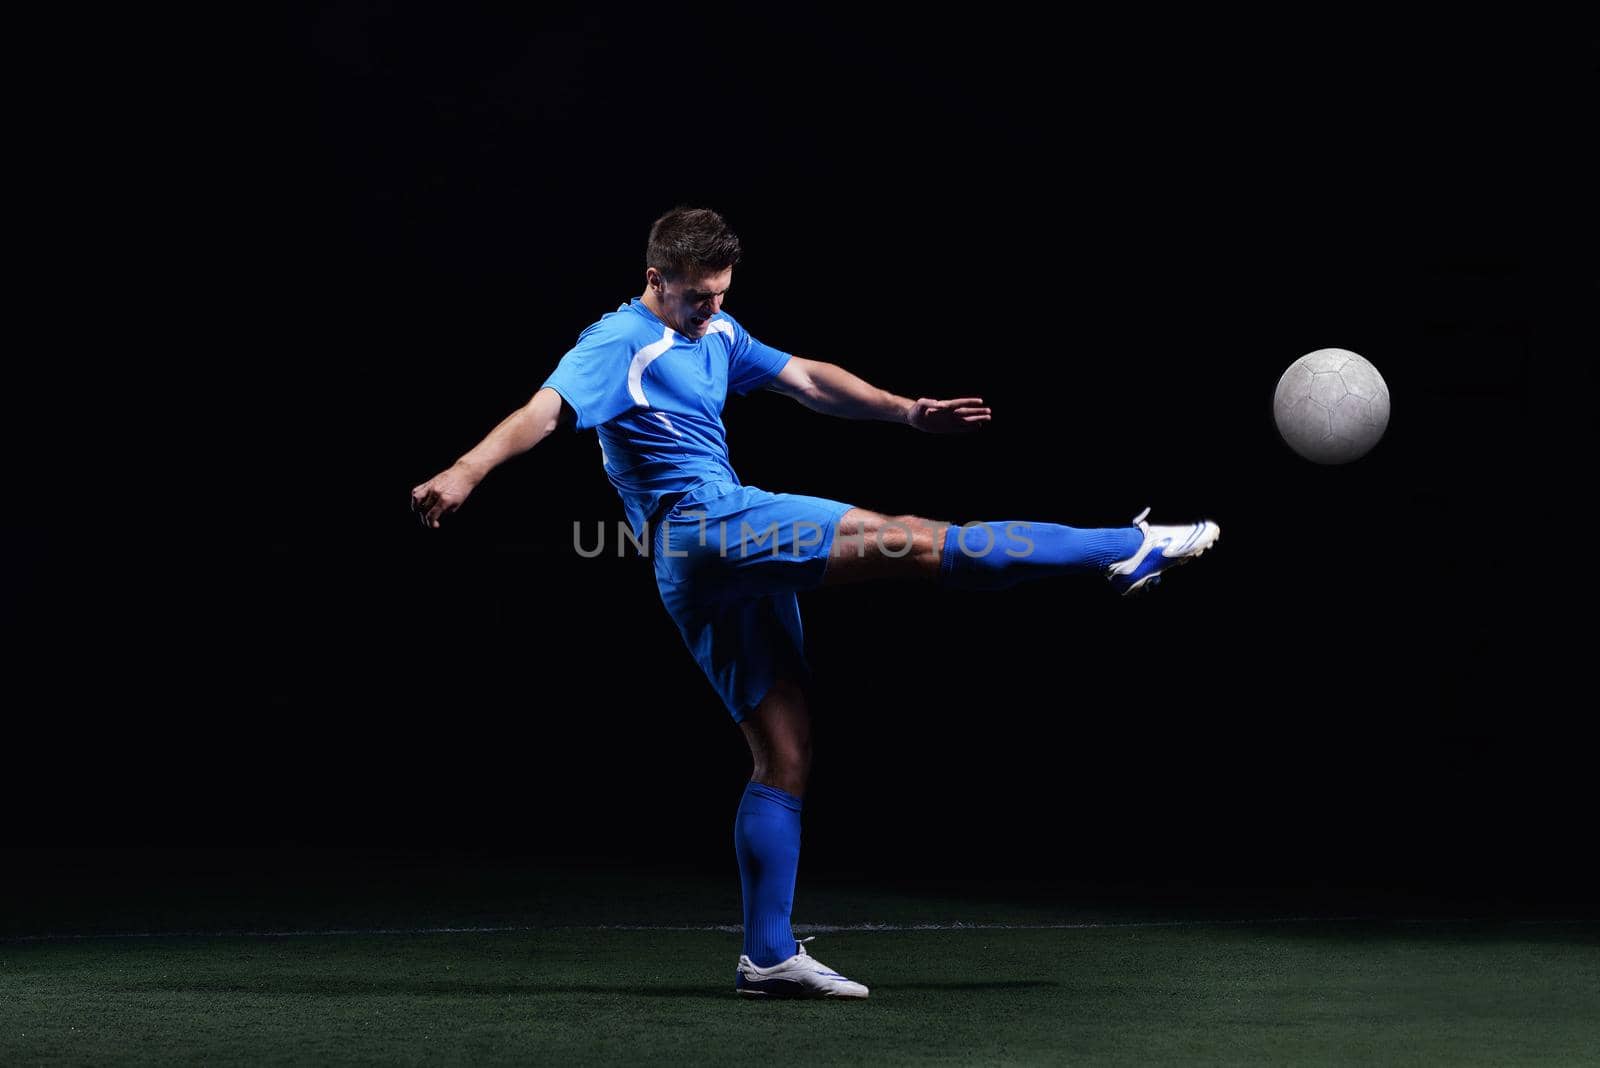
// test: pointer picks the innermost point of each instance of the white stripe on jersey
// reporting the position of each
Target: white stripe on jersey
(642, 359)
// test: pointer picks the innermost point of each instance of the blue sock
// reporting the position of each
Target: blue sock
(992, 556)
(766, 837)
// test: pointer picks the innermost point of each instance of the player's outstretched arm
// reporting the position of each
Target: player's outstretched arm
(830, 389)
(516, 434)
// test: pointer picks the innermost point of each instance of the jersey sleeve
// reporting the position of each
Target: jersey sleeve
(751, 364)
(593, 376)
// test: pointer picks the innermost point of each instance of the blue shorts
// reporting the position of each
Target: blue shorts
(729, 560)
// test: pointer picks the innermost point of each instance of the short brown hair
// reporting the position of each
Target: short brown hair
(691, 243)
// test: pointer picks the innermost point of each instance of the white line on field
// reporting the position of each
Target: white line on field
(799, 928)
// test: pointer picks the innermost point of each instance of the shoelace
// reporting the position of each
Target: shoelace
(824, 969)
(800, 949)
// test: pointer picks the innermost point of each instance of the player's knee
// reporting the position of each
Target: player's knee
(923, 541)
(898, 535)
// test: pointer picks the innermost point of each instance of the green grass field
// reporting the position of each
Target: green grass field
(1124, 988)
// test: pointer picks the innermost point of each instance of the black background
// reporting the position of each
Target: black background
(1119, 232)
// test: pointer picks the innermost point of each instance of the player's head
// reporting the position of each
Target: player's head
(689, 266)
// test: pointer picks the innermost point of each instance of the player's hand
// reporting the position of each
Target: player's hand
(948, 416)
(443, 494)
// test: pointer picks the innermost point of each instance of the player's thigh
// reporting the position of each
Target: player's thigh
(749, 544)
(871, 545)
(744, 647)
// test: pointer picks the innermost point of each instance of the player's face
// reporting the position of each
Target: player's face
(689, 304)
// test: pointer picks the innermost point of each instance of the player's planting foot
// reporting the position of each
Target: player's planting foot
(1163, 548)
(801, 976)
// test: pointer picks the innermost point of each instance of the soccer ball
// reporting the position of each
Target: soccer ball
(1331, 406)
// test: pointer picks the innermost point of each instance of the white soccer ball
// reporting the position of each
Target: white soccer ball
(1331, 406)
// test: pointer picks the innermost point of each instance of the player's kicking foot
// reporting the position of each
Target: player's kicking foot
(801, 976)
(1163, 548)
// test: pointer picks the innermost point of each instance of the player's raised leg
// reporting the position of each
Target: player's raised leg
(766, 837)
(870, 545)
(995, 555)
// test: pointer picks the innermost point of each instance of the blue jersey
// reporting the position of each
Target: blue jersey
(656, 398)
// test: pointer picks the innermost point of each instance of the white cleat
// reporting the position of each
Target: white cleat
(1177, 545)
(801, 976)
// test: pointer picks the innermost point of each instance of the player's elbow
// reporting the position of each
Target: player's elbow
(802, 384)
(546, 412)
(538, 422)
(812, 394)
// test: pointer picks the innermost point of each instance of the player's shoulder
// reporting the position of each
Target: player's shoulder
(626, 326)
(723, 323)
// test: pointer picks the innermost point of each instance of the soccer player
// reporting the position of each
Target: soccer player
(651, 379)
